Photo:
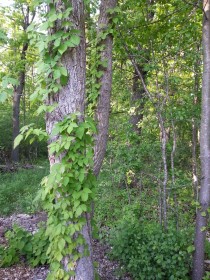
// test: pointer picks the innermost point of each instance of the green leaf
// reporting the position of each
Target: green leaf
(56, 74)
(64, 80)
(80, 132)
(190, 249)
(75, 39)
(84, 196)
(62, 48)
(3, 97)
(71, 127)
(58, 256)
(78, 212)
(65, 181)
(53, 18)
(203, 214)
(61, 244)
(17, 141)
(57, 42)
(63, 71)
(203, 229)
(56, 130)
(28, 247)
(87, 190)
(81, 177)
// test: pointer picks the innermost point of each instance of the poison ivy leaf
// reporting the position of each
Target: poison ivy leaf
(56, 74)
(62, 48)
(58, 256)
(65, 181)
(71, 127)
(63, 71)
(81, 177)
(78, 211)
(64, 80)
(53, 17)
(80, 132)
(44, 26)
(61, 244)
(84, 196)
(57, 42)
(75, 39)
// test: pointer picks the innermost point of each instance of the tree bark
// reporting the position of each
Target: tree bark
(103, 105)
(196, 101)
(204, 195)
(165, 168)
(71, 99)
(18, 92)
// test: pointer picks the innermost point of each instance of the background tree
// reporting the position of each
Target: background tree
(204, 195)
(14, 72)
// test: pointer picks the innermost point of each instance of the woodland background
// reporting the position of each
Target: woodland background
(147, 193)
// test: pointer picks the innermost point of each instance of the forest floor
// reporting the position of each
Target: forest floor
(106, 268)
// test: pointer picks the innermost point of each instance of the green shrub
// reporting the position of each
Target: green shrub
(22, 244)
(149, 253)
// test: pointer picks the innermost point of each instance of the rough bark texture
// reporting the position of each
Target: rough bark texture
(103, 105)
(70, 99)
(204, 196)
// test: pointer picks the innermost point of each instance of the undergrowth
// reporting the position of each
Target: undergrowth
(22, 245)
(19, 189)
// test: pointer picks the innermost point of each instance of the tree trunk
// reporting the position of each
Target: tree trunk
(195, 128)
(18, 92)
(103, 105)
(137, 101)
(71, 99)
(204, 195)
(165, 168)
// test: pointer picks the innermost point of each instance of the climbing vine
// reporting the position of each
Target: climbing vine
(69, 189)
(71, 184)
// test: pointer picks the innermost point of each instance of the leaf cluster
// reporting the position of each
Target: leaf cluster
(147, 252)
(22, 244)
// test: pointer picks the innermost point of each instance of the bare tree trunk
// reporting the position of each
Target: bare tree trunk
(18, 92)
(204, 195)
(194, 158)
(103, 105)
(195, 130)
(173, 175)
(165, 168)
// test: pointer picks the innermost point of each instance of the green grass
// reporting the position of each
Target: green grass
(18, 190)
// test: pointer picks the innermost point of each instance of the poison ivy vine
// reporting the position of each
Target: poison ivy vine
(71, 183)
(97, 65)
(69, 189)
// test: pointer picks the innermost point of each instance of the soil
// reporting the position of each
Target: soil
(107, 269)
